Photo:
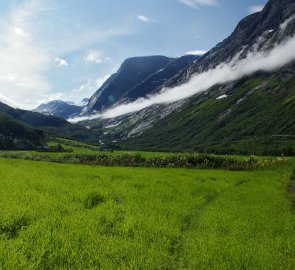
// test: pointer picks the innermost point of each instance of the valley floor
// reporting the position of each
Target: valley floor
(63, 216)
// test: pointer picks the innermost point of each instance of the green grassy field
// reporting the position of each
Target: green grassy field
(63, 216)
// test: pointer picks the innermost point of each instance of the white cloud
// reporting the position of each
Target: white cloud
(279, 56)
(23, 62)
(61, 62)
(21, 32)
(145, 19)
(284, 25)
(93, 57)
(197, 3)
(254, 9)
(30, 42)
(197, 52)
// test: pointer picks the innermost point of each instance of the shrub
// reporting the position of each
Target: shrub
(93, 199)
(175, 160)
(12, 228)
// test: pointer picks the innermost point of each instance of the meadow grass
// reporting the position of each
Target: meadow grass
(63, 216)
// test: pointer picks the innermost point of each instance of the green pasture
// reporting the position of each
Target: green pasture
(71, 216)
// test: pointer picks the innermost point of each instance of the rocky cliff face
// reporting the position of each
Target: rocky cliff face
(131, 73)
(154, 82)
(137, 77)
(261, 30)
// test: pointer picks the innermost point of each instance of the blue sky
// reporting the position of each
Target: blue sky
(52, 49)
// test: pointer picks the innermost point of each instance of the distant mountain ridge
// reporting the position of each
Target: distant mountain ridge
(59, 108)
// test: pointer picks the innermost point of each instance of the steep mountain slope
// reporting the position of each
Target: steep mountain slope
(50, 124)
(136, 123)
(59, 108)
(154, 82)
(132, 72)
(251, 115)
(259, 31)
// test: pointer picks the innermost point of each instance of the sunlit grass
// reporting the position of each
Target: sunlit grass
(59, 216)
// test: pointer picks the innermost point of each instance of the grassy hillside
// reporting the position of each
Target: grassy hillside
(51, 125)
(16, 135)
(57, 216)
(74, 146)
(257, 117)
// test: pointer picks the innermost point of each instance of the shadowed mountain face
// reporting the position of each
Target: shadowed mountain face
(131, 73)
(136, 78)
(59, 108)
(154, 82)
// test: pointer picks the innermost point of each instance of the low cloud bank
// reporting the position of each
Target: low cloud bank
(284, 25)
(197, 52)
(276, 58)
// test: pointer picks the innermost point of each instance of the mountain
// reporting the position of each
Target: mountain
(85, 101)
(253, 114)
(261, 30)
(137, 77)
(32, 122)
(132, 72)
(154, 82)
(59, 108)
